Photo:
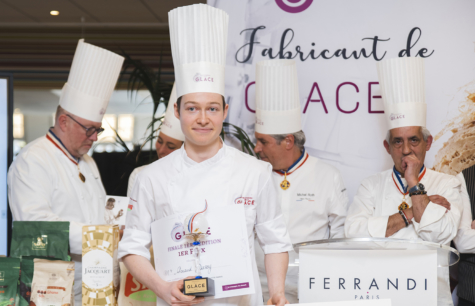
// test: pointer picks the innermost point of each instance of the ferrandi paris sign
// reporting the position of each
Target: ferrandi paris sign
(407, 277)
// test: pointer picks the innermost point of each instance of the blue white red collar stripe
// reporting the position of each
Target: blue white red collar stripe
(398, 177)
(298, 163)
(58, 143)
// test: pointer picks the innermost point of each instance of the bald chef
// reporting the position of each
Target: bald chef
(170, 137)
(313, 197)
(53, 179)
(204, 168)
(408, 201)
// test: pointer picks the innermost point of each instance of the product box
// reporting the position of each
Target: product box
(100, 268)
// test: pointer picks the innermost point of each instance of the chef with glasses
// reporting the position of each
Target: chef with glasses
(53, 179)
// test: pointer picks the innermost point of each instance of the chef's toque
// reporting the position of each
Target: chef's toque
(402, 85)
(277, 97)
(198, 35)
(91, 81)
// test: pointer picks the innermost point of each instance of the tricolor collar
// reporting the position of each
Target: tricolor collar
(298, 163)
(59, 144)
(399, 178)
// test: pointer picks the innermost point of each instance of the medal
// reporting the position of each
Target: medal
(81, 176)
(403, 205)
(285, 184)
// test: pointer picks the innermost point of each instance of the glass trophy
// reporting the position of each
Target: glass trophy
(196, 228)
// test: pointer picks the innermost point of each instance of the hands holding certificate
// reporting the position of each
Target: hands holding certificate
(171, 292)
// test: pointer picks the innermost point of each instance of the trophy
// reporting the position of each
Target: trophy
(196, 228)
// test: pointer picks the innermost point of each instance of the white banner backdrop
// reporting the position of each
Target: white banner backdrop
(336, 45)
(345, 275)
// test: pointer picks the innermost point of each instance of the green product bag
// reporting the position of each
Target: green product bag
(9, 276)
(26, 276)
(40, 238)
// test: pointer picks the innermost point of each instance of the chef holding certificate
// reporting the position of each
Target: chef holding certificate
(204, 170)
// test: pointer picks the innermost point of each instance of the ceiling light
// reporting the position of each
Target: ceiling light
(54, 13)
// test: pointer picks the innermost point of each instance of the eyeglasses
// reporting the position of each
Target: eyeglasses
(89, 131)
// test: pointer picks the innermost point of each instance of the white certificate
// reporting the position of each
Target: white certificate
(225, 254)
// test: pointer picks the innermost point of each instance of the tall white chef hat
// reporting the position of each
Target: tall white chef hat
(171, 125)
(198, 35)
(91, 81)
(402, 85)
(277, 97)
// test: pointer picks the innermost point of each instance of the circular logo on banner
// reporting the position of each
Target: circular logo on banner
(294, 6)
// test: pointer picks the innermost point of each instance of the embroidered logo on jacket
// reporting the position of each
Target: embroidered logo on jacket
(244, 201)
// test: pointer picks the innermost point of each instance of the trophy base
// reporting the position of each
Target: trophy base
(202, 286)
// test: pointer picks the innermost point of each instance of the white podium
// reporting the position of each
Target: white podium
(409, 272)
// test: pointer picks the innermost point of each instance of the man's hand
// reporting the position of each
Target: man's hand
(171, 293)
(440, 200)
(276, 269)
(278, 300)
(121, 213)
(473, 224)
(411, 166)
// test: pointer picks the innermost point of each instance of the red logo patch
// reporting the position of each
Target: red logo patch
(244, 201)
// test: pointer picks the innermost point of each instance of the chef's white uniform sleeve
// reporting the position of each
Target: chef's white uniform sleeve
(30, 191)
(270, 225)
(338, 208)
(137, 237)
(465, 239)
(361, 221)
(438, 224)
(132, 179)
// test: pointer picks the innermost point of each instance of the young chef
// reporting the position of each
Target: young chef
(204, 168)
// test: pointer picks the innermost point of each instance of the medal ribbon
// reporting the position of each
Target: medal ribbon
(59, 144)
(398, 176)
(281, 172)
(190, 223)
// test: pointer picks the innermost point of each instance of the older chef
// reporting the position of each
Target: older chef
(204, 168)
(313, 197)
(465, 240)
(408, 201)
(53, 179)
(170, 137)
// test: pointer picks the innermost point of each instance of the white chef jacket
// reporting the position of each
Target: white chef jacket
(176, 184)
(44, 185)
(314, 208)
(132, 178)
(378, 198)
(465, 239)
